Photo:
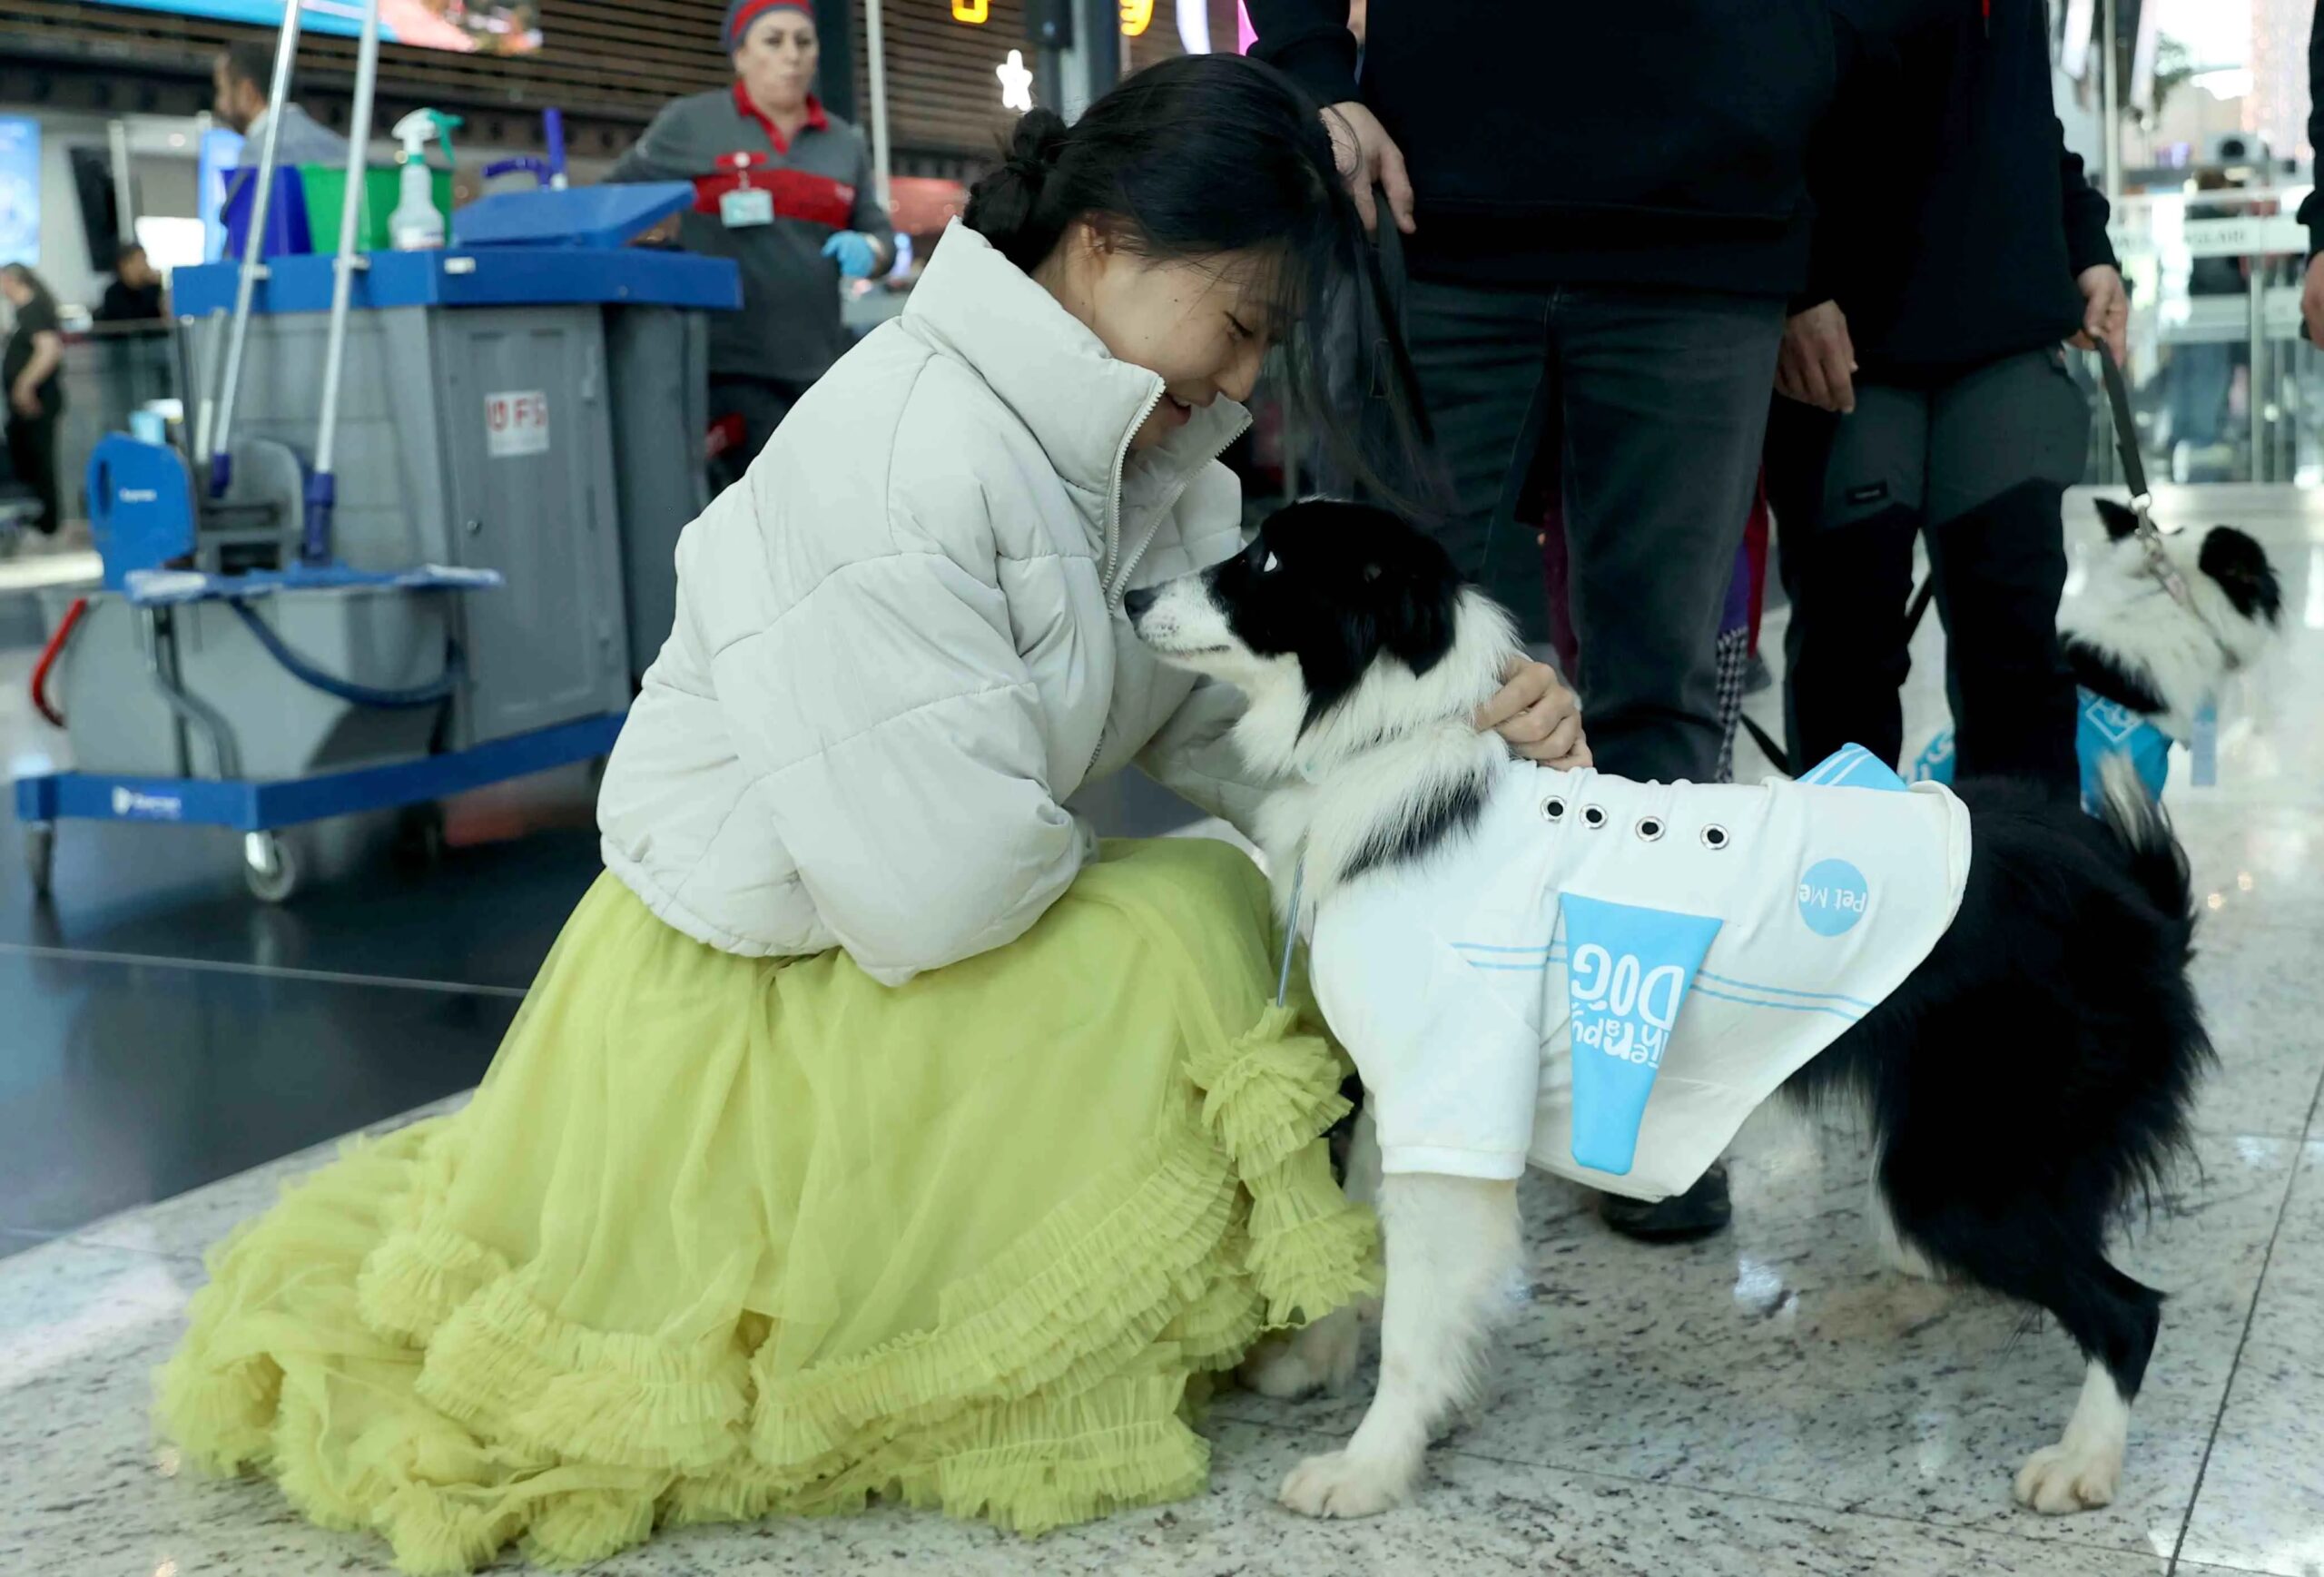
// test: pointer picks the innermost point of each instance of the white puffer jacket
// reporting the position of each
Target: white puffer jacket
(900, 643)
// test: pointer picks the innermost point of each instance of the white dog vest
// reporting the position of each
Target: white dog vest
(1607, 977)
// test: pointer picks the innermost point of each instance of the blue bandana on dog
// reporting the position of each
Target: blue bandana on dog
(2103, 728)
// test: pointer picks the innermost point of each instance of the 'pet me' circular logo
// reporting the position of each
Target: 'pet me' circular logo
(1833, 896)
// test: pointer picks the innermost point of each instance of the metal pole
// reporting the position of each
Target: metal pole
(2110, 139)
(278, 93)
(124, 189)
(2262, 468)
(343, 282)
(875, 50)
(1048, 26)
(212, 358)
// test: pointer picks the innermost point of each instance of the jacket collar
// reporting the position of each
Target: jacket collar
(1080, 404)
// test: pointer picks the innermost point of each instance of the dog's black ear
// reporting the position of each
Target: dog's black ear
(1416, 618)
(2121, 520)
(2240, 566)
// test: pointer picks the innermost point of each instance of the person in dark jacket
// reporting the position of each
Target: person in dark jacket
(136, 294)
(1603, 214)
(1927, 393)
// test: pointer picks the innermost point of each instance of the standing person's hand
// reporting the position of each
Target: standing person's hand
(1537, 716)
(1817, 365)
(2312, 302)
(1367, 154)
(2106, 312)
(25, 398)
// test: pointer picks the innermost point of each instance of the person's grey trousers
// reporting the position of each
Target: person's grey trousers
(1653, 405)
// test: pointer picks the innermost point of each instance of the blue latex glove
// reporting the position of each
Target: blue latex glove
(855, 252)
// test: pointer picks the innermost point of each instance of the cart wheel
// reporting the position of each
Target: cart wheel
(419, 836)
(270, 867)
(40, 855)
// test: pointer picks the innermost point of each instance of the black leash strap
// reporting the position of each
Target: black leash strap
(2126, 433)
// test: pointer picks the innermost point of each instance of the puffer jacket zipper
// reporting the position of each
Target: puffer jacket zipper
(1109, 593)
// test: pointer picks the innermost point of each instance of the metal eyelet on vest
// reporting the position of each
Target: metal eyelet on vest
(1649, 829)
(1553, 809)
(1715, 837)
(1593, 816)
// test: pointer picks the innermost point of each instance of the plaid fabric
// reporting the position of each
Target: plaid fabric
(1734, 672)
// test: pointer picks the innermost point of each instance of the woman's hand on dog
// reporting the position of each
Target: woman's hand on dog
(1540, 717)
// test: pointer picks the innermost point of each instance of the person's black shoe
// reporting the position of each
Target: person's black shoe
(1698, 1212)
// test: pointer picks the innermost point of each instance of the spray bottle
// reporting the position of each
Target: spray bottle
(418, 224)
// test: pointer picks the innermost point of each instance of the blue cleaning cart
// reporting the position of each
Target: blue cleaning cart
(461, 580)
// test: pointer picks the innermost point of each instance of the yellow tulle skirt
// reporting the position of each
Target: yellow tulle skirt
(722, 1239)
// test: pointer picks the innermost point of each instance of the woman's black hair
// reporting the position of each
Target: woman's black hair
(32, 281)
(1211, 154)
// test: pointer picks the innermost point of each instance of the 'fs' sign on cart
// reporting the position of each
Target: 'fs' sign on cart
(516, 422)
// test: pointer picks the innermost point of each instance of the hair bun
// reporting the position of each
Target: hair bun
(1005, 207)
(1033, 150)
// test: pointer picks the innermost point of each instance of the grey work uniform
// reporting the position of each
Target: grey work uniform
(819, 182)
(302, 140)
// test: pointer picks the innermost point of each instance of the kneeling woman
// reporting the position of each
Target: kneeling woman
(871, 1129)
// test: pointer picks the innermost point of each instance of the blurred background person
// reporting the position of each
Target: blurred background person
(35, 394)
(785, 189)
(2311, 207)
(2206, 374)
(134, 295)
(240, 76)
(1927, 396)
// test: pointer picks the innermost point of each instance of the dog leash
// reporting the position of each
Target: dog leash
(1290, 934)
(2126, 449)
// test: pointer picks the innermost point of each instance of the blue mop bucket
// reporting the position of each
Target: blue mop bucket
(287, 231)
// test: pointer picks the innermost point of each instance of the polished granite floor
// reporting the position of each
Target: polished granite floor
(1772, 1401)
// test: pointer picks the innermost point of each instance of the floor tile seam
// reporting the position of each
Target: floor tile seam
(2243, 1340)
(263, 972)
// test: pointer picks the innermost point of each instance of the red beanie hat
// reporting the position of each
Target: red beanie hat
(741, 14)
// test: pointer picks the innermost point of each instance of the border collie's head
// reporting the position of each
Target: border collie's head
(1335, 614)
(2235, 564)
(2183, 650)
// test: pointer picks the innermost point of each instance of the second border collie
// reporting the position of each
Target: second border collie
(2018, 1023)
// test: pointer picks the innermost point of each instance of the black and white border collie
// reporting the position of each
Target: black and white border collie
(2028, 1080)
(2164, 620)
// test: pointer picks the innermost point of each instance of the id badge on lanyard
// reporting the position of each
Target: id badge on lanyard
(745, 206)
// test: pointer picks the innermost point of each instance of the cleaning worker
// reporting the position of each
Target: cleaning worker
(240, 75)
(785, 189)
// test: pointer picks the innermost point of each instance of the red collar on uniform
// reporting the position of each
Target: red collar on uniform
(816, 120)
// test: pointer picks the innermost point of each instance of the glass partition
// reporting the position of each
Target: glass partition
(2224, 384)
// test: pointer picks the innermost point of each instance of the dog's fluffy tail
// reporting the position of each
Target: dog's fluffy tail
(2137, 822)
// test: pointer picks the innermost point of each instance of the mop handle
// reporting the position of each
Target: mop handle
(212, 366)
(314, 541)
(278, 93)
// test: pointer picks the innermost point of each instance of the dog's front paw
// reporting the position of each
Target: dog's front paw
(1344, 1484)
(2058, 1479)
(1320, 1357)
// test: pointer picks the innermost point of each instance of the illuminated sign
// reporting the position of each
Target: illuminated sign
(1137, 15)
(975, 13)
(471, 28)
(1016, 83)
